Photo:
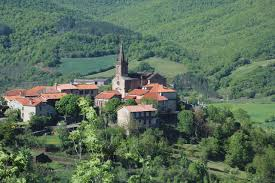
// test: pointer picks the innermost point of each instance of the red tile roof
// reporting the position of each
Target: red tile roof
(77, 87)
(129, 97)
(52, 96)
(154, 96)
(29, 101)
(140, 108)
(107, 95)
(86, 86)
(16, 92)
(38, 90)
(158, 88)
(138, 92)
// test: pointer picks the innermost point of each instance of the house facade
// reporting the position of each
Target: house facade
(138, 116)
(105, 96)
(84, 90)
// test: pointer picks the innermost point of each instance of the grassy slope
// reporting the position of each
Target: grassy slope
(259, 112)
(243, 71)
(85, 65)
(163, 66)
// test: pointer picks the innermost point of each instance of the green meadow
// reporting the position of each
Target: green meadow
(259, 112)
(85, 65)
(163, 66)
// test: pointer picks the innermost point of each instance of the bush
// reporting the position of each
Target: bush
(211, 149)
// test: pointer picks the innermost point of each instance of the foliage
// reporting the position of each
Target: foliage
(7, 132)
(13, 114)
(186, 122)
(265, 165)
(68, 105)
(130, 102)
(239, 150)
(15, 167)
(39, 122)
(211, 149)
(93, 170)
(144, 67)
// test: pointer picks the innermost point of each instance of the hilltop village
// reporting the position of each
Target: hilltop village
(147, 91)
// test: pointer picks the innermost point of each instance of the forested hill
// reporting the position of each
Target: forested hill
(212, 37)
(218, 31)
(34, 35)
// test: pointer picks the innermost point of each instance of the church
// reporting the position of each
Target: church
(123, 82)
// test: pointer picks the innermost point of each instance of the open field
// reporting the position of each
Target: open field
(50, 139)
(162, 66)
(259, 112)
(85, 65)
(243, 71)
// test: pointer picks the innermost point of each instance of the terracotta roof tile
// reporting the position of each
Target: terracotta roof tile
(53, 96)
(138, 92)
(158, 88)
(86, 87)
(154, 96)
(16, 92)
(107, 95)
(29, 101)
(129, 97)
(140, 108)
(77, 86)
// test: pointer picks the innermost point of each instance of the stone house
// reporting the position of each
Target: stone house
(102, 98)
(138, 116)
(98, 82)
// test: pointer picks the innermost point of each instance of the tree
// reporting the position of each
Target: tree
(39, 122)
(110, 109)
(7, 132)
(15, 167)
(242, 116)
(63, 134)
(93, 170)
(144, 67)
(86, 109)
(68, 105)
(130, 102)
(186, 122)
(265, 165)
(239, 151)
(13, 114)
(211, 149)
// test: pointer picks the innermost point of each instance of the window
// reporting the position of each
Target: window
(81, 92)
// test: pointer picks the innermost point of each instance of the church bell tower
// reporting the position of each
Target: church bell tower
(122, 63)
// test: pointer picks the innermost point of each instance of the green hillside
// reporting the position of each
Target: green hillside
(163, 66)
(210, 37)
(215, 31)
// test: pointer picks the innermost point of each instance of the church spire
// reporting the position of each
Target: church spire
(121, 55)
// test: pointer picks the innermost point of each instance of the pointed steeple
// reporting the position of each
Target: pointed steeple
(121, 55)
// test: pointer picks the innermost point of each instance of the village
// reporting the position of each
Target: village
(147, 93)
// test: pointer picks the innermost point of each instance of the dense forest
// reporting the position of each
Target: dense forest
(213, 38)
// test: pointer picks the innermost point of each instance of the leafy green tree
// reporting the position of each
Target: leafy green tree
(265, 165)
(198, 172)
(39, 122)
(239, 151)
(63, 134)
(211, 149)
(242, 116)
(68, 105)
(93, 170)
(8, 132)
(130, 102)
(144, 67)
(110, 109)
(13, 114)
(15, 167)
(186, 122)
(86, 109)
